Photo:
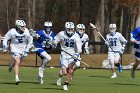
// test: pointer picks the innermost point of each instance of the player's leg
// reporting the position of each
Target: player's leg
(58, 82)
(16, 67)
(63, 71)
(111, 58)
(11, 65)
(69, 75)
(136, 64)
(117, 61)
(45, 59)
(76, 66)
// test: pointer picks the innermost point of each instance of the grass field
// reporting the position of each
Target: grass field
(84, 81)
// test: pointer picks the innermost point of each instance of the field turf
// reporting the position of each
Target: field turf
(84, 81)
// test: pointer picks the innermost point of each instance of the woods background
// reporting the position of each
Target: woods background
(125, 13)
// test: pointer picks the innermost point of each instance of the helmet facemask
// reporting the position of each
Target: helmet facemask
(80, 29)
(20, 25)
(48, 29)
(69, 27)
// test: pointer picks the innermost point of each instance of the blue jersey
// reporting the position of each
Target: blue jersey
(42, 40)
(136, 33)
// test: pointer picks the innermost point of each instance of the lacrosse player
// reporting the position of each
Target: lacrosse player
(20, 43)
(116, 45)
(135, 38)
(80, 29)
(70, 42)
(44, 37)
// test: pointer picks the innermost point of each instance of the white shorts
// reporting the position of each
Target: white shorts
(65, 60)
(113, 56)
(14, 55)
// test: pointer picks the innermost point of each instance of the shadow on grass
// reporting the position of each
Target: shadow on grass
(129, 84)
(61, 84)
(49, 88)
(8, 83)
(100, 76)
(29, 82)
(13, 83)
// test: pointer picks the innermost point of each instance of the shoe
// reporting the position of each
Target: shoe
(120, 68)
(40, 80)
(65, 87)
(132, 73)
(11, 65)
(114, 76)
(40, 72)
(17, 81)
(58, 82)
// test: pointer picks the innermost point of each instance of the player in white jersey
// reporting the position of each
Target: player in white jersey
(116, 45)
(70, 43)
(80, 29)
(20, 43)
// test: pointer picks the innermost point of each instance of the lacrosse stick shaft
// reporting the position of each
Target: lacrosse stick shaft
(77, 58)
(101, 36)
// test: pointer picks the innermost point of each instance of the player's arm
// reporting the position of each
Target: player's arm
(57, 38)
(30, 42)
(78, 45)
(86, 48)
(132, 39)
(7, 37)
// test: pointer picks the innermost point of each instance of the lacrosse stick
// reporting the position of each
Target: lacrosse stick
(76, 58)
(93, 26)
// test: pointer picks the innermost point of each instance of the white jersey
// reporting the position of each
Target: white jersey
(69, 44)
(18, 42)
(85, 39)
(115, 42)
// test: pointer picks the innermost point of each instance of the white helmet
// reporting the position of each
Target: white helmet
(69, 27)
(48, 26)
(48, 23)
(112, 28)
(20, 24)
(80, 28)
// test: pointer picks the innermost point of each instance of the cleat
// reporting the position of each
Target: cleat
(114, 76)
(40, 80)
(17, 81)
(11, 65)
(65, 87)
(132, 73)
(58, 83)
(120, 68)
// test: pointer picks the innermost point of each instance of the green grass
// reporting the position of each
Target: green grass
(84, 81)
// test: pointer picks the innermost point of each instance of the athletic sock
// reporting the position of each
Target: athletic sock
(118, 64)
(66, 83)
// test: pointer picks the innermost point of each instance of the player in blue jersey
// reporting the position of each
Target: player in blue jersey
(135, 38)
(43, 45)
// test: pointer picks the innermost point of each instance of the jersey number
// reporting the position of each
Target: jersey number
(69, 44)
(20, 40)
(113, 43)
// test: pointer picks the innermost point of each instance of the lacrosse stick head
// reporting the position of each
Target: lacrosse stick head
(93, 26)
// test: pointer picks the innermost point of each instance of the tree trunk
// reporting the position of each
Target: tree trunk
(17, 9)
(138, 19)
